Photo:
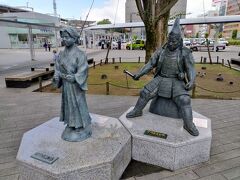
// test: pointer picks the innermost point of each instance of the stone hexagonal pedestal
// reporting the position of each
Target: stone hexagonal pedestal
(178, 150)
(103, 156)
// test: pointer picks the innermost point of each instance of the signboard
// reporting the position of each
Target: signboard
(44, 157)
(155, 134)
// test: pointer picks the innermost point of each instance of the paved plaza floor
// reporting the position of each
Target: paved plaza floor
(22, 110)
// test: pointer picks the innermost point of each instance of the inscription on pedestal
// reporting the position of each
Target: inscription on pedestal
(155, 134)
(44, 157)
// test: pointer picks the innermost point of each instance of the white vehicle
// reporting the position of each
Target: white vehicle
(124, 44)
(186, 42)
(203, 46)
(223, 41)
(114, 45)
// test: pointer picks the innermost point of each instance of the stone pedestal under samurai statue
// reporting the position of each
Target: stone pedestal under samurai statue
(174, 77)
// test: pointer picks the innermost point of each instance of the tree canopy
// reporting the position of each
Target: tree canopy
(104, 21)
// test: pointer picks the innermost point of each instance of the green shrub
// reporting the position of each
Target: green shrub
(234, 33)
(234, 42)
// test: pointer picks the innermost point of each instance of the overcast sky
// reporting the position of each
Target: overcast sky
(102, 9)
(197, 7)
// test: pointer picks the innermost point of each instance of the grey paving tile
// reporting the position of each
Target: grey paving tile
(22, 108)
(10, 177)
(226, 147)
(213, 177)
(231, 116)
(10, 143)
(188, 175)
(237, 178)
(11, 152)
(227, 129)
(225, 156)
(233, 134)
(9, 171)
(7, 124)
(7, 159)
(232, 173)
(227, 124)
(131, 178)
(10, 135)
(217, 167)
(222, 141)
(8, 165)
(156, 175)
(183, 176)
(4, 150)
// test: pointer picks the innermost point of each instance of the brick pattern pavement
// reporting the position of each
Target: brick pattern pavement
(21, 110)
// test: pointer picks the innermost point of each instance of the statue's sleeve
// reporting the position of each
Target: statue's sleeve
(82, 71)
(151, 63)
(189, 66)
(57, 80)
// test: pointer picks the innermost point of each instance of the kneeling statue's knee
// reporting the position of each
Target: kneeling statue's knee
(184, 100)
(144, 93)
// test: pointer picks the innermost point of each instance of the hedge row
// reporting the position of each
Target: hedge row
(234, 42)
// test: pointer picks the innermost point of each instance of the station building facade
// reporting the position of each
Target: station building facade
(14, 37)
(233, 8)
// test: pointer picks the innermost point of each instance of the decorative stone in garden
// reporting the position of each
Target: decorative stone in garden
(203, 74)
(103, 76)
(220, 78)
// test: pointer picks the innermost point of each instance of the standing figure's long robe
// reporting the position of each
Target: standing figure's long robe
(74, 109)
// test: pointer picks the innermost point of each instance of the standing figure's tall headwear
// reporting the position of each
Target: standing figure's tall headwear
(176, 29)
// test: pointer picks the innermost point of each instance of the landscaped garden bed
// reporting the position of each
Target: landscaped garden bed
(212, 81)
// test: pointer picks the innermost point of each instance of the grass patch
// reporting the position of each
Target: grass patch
(117, 78)
(119, 82)
(209, 82)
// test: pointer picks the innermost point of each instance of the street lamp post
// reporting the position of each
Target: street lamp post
(30, 43)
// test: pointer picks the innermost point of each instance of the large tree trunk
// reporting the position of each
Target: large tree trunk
(155, 15)
(156, 35)
(151, 42)
(162, 30)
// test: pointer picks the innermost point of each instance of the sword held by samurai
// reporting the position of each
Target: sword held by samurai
(128, 73)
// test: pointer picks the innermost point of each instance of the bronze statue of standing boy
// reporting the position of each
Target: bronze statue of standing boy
(71, 72)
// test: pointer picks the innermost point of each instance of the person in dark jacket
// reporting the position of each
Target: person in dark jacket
(49, 46)
(45, 46)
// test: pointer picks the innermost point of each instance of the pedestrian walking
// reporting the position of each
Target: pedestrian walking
(102, 44)
(45, 46)
(49, 46)
(55, 56)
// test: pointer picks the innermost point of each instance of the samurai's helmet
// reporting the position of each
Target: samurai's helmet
(175, 36)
